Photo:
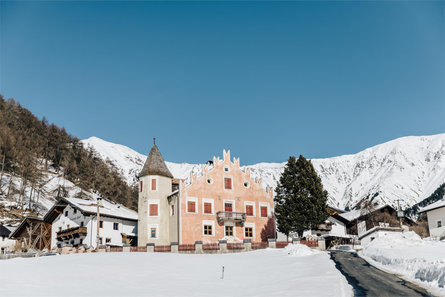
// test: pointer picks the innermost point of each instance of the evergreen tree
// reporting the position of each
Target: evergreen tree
(300, 201)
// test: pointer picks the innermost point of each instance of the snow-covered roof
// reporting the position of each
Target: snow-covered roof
(355, 214)
(108, 208)
(437, 204)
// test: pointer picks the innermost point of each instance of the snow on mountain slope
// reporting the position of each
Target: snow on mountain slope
(407, 168)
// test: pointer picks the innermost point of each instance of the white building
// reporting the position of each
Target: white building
(436, 218)
(74, 222)
(7, 244)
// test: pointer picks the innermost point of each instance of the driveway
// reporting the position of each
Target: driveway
(370, 281)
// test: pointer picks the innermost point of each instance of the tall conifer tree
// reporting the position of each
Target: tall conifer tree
(300, 201)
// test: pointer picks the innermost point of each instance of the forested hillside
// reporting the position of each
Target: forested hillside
(31, 149)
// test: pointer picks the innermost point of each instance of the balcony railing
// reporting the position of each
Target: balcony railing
(222, 216)
(324, 227)
(74, 232)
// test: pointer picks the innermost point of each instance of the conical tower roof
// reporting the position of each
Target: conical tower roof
(155, 165)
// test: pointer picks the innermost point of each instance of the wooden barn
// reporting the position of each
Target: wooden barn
(32, 233)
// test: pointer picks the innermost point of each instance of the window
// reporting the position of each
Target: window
(100, 240)
(153, 232)
(264, 211)
(246, 184)
(191, 206)
(249, 210)
(207, 208)
(229, 230)
(227, 183)
(66, 213)
(153, 209)
(248, 232)
(60, 229)
(439, 224)
(208, 230)
(226, 169)
(101, 224)
(74, 211)
(173, 210)
(140, 186)
(153, 184)
(209, 181)
(68, 226)
(81, 224)
(107, 240)
(115, 226)
(228, 206)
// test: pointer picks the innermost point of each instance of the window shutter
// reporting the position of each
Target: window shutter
(153, 184)
(227, 183)
(264, 211)
(191, 206)
(141, 186)
(153, 209)
(249, 210)
(207, 207)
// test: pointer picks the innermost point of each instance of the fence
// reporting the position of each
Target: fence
(186, 247)
(199, 247)
(163, 248)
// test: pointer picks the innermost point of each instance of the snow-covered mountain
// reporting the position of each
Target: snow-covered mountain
(408, 169)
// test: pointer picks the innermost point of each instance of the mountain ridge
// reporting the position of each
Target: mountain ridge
(407, 169)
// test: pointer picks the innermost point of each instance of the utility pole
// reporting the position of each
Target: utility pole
(399, 212)
(98, 202)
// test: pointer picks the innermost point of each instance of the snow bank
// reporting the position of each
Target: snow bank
(417, 260)
(300, 250)
(268, 272)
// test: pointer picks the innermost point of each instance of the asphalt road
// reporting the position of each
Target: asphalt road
(370, 281)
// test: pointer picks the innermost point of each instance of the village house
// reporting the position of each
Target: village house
(7, 245)
(436, 218)
(74, 223)
(33, 233)
(223, 202)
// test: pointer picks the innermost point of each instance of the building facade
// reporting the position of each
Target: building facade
(222, 202)
(74, 222)
(436, 218)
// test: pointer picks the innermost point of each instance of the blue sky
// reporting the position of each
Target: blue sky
(264, 79)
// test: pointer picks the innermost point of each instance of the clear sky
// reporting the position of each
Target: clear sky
(264, 79)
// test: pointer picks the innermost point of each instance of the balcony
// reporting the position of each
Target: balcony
(238, 217)
(74, 232)
(324, 227)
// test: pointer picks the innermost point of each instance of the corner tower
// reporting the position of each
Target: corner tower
(155, 185)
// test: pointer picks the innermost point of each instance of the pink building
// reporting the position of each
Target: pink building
(221, 203)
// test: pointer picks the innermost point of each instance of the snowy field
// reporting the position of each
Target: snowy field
(406, 254)
(270, 272)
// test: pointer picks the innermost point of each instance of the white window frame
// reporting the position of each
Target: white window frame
(208, 200)
(196, 205)
(148, 210)
(233, 205)
(224, 183)
(268, 209)
(249, 225)
(211, 223)
(437, 224)
(117, 226)
(150, 226)
(151, 184)
(245, 208)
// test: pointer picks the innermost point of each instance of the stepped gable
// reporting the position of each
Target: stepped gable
(155, 165)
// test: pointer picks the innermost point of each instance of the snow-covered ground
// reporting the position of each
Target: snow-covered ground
(417, 260)
(270, 272)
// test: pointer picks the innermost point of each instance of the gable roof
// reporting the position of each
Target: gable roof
(4, 232)
(89, 207)
(155, 165)
(438, 204)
